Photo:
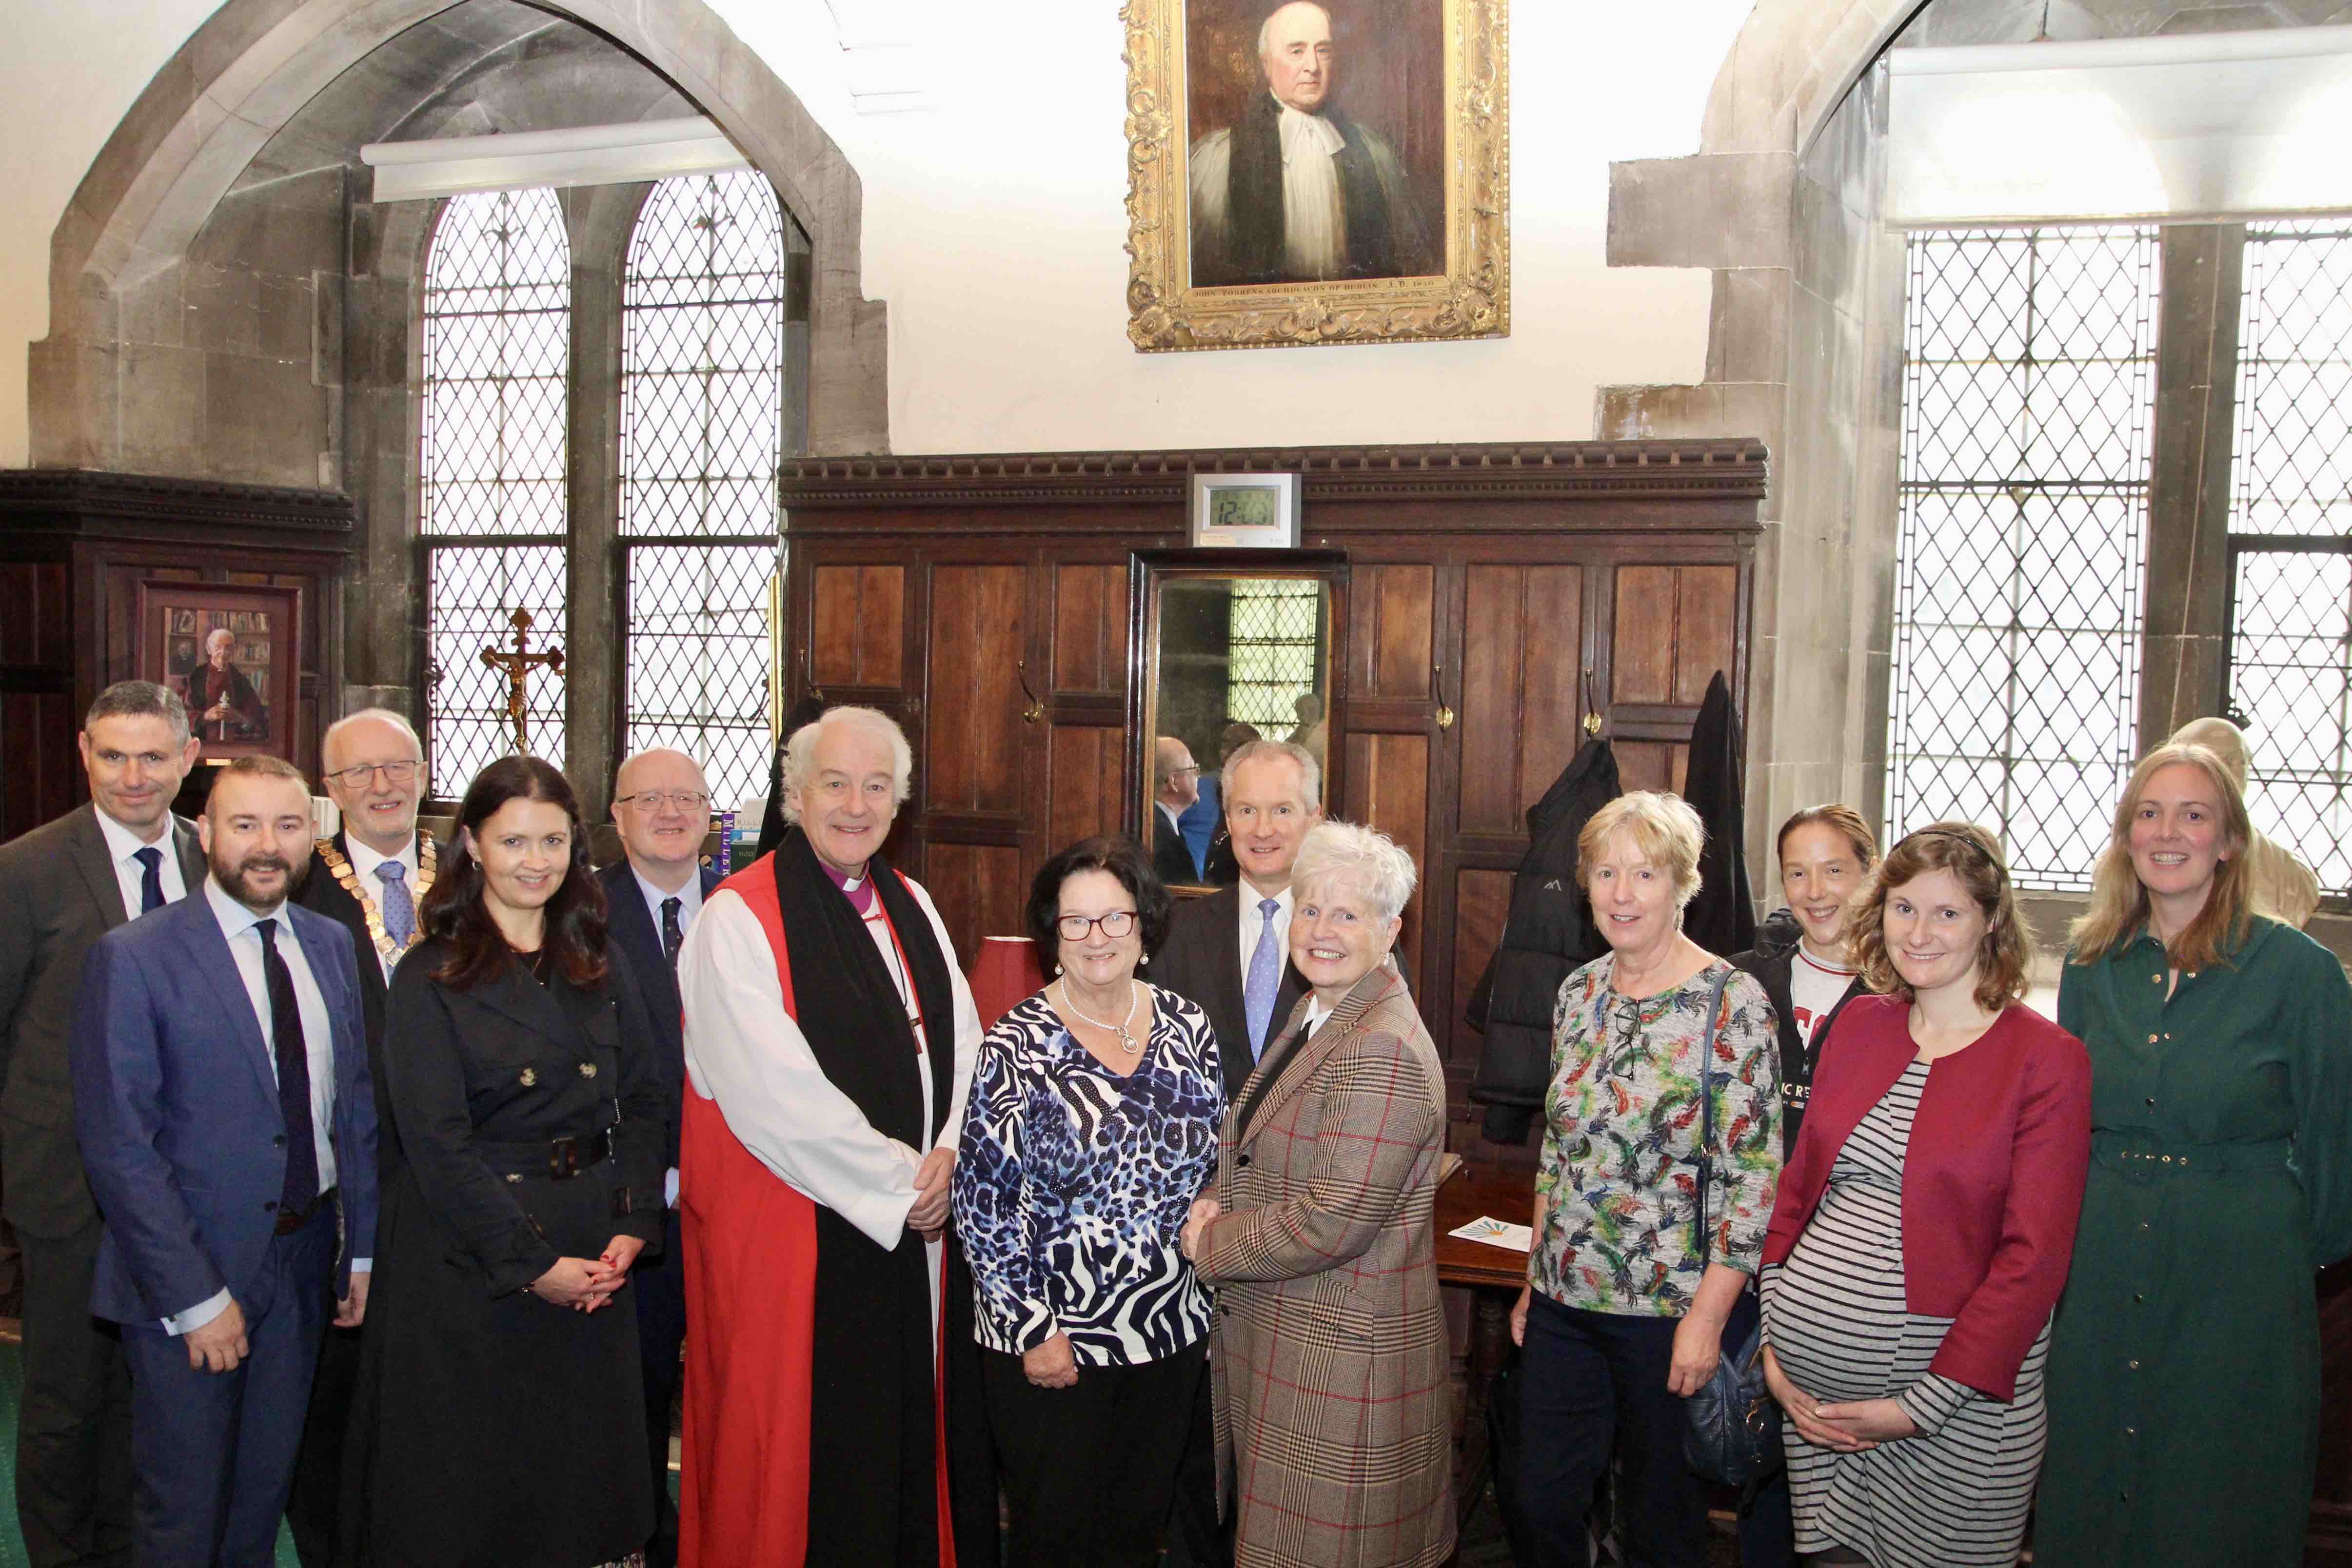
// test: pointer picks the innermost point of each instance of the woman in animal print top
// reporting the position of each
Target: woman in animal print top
(1092, 1128)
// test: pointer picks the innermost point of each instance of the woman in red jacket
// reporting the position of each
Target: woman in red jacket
(1923, 1227)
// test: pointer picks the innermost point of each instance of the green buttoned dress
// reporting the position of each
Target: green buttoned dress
(2184, 1368)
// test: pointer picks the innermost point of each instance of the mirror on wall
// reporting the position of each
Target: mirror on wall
(1235, 645)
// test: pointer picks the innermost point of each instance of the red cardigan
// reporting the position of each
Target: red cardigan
(1992, 1181)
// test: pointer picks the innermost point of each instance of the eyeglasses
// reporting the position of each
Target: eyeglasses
(1627, 1051)
(1116, 925)
(655, 800)
(394, 773)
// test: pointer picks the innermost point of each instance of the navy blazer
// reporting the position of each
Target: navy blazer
(639, 940)
(176, 1101)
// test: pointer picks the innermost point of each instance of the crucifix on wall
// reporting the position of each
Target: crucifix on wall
(518, 665)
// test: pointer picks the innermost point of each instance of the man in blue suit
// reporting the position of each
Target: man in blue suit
(221, 1099)
(662, 807)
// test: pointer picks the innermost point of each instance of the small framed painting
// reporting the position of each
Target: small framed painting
(1252, 511)
(230, 653)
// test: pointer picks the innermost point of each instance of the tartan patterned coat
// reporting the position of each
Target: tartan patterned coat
(1331, 1376)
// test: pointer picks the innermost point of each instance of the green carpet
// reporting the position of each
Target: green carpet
(12, 1384)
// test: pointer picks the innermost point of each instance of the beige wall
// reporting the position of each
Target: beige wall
(994, 225)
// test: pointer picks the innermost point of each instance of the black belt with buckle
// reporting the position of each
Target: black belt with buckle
(290, 1220)
(558, 1159)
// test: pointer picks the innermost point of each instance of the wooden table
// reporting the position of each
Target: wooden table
(1495, 1273)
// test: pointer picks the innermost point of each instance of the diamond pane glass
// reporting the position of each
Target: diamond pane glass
(498, 337)
(703, 354)
(2028, 384)
(1277, 636)
(2291, 678)
(2293, 469)
(471, 590)
(697, 677)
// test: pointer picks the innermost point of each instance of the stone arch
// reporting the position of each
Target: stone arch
(254, 65)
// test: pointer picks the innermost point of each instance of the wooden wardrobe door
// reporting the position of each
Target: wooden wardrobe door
(1673, 626)
(970, 781)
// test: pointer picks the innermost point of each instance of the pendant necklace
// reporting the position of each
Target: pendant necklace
(1127, 1041)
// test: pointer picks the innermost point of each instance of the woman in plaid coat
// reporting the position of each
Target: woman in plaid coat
(1330, 1353)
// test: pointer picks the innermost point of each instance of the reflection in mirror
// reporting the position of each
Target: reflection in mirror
(1235, 659)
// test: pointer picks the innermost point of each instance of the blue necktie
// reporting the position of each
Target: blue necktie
(1265, 978)
(399, 909)
(301, 1190)
(151, 882)
(673, 934)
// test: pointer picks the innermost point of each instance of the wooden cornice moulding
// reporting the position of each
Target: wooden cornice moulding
(1727, 470)
(86, 501)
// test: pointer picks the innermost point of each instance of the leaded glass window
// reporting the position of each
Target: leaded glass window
(2291, 537)
(496, 343)
(1276, 631)
(702, 421)
(2028, 388)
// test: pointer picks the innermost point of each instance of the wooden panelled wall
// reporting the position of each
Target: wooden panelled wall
(75, 545)
(984, 601)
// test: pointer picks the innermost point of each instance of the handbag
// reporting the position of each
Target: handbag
(1733, 1432)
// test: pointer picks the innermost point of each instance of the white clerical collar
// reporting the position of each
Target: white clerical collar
(364, 859)
(1305, 132)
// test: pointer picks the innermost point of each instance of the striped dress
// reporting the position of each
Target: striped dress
(1834, 1315)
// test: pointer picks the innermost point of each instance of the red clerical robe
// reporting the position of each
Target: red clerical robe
(755, 1242)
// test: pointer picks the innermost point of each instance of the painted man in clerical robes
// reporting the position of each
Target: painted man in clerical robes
(829, 1046)
(221, 700)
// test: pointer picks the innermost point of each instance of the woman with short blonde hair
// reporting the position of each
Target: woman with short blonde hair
(1631, 1293)
(2220, 1046)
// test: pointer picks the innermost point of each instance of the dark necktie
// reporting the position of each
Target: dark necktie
(301, 1188)
(672, 934)
(151, 881)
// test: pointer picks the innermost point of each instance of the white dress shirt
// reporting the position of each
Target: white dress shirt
(1252, 921)
(689, 898)
(129, 873)
(237, 924)
(363, 863)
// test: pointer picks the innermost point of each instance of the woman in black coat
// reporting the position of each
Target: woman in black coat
(500, 1419)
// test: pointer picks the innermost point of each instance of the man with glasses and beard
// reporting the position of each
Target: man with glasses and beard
(370, 876)
(228, 1129)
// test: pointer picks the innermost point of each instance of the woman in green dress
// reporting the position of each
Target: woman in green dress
(2184, 1370)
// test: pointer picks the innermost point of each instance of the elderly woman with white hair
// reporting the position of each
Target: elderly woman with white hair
(1333, 1398)
(1646, 1231)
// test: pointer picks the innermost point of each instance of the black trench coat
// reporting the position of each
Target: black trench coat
(492, 1428)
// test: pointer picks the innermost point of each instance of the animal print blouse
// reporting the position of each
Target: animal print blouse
(1071, 1184)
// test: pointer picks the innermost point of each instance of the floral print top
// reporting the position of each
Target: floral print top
(1619, 1168)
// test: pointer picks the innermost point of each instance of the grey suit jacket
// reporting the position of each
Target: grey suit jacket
(58, 888)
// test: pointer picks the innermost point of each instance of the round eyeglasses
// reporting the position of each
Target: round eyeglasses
(1116, 925)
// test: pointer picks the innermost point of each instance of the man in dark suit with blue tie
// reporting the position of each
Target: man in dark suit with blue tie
(662, 807)
(1230, 954)
(227, 1126)
(63, 886)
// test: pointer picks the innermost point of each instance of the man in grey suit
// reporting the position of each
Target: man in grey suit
(63, 886)
(1230, 954)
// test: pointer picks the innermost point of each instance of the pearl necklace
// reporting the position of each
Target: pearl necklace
(1126, 1041)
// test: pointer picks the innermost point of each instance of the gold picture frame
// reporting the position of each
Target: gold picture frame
(1185, 59)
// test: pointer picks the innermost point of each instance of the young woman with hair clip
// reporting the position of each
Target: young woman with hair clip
(500, 1415)
(1923, 1226)
(2184, 1381)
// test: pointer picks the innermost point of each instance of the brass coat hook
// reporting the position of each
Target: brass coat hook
(1592, 713)
(1035, 710)
(1444, 713)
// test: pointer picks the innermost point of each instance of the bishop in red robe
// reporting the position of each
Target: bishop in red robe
(829, 1047)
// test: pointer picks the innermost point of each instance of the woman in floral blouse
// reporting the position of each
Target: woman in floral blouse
(1627, 1307)
(1093, 1128)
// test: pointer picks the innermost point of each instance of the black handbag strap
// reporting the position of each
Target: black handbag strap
(1707, 1110)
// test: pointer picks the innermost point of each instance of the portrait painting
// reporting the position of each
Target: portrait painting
(1306, 172)
(229, 653)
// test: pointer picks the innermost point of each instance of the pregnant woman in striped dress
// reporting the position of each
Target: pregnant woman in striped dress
(1923, 1227)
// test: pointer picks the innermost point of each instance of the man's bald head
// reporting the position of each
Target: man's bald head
(1293, 49)
(661, 803)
